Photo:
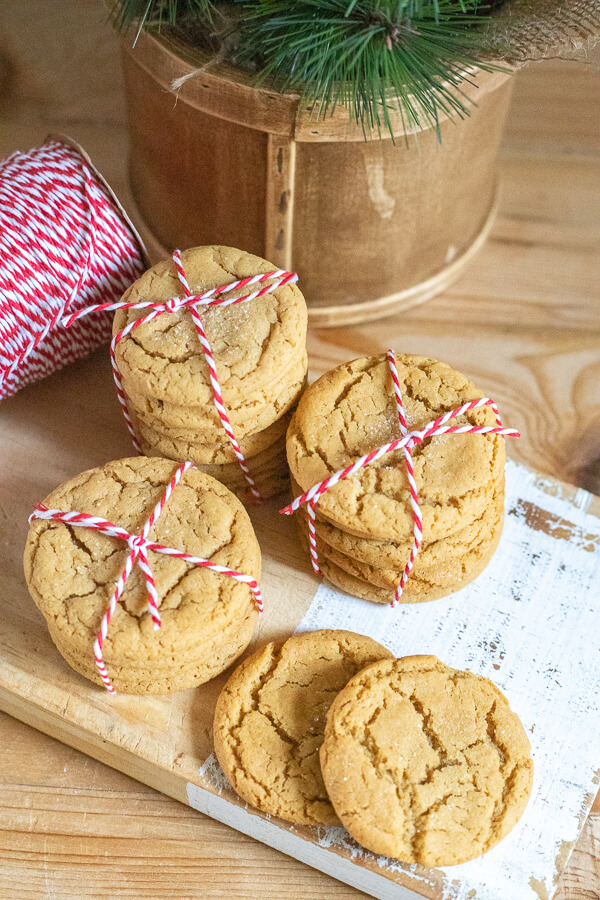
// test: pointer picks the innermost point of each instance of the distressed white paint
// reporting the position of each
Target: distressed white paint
(213, 774)
(530, 623)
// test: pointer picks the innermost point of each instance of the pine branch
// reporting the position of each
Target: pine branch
(368, 54)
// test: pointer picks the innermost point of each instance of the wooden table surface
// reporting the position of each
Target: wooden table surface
(524, 322)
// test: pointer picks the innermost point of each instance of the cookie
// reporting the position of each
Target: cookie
(195, 446)
(256, 412)
(252, 343)
(450, 576)
(270, 718)
(425, 763)
(447, 564)
(351, 410)
(419, 588)
(207, 618)
(442, 553)
(268, 468)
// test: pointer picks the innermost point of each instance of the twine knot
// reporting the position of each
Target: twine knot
(137, 542)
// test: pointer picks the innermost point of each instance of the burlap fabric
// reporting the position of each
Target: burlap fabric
(525, 30)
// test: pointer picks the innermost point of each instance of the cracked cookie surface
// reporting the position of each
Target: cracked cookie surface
(270, 718)
(252, 343)
(207, 619)
(425, 763)
(350, 411)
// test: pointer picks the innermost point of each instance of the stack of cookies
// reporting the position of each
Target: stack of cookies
(259, 348)
(419, 761)
(364, 524)
(208, 618)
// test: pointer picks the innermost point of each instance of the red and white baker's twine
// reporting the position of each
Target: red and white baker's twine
(138, 551)
(63, 245)
(193, 302)
(406, 443)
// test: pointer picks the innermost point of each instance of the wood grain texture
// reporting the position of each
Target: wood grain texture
(523, 321)
(62, 811)
(217, 89)
(207, 149)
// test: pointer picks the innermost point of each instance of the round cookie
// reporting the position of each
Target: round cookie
(252, 342)
(351, 410)
(270, 718)
(453, 569)
(425, 763)
(194, 446)
(207, 619)
(419, 588)
(256, 412)
(441, 553)
(268, 468)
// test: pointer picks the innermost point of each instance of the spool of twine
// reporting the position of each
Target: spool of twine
(64, 244)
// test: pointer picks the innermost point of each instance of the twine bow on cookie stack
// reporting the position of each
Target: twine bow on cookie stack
(408, 441)
(139, 545)
(63, 244)
(194, 302)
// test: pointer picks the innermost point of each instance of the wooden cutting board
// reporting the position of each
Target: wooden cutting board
(70, 422)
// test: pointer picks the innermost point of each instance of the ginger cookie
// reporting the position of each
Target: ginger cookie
(451, 575)
(351, 410)
(270, 718)
(203, 450)
(441, 567)
(207, 618)
(252, 343)
(447, 569)
(268, 468)
(226, 408)
(425, 763)
(444, 553)
(254, 413)
(419, 588)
